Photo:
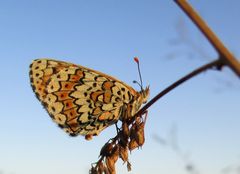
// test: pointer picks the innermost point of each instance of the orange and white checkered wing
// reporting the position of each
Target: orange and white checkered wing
(80, 100)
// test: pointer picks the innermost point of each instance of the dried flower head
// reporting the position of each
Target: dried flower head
(129, 137)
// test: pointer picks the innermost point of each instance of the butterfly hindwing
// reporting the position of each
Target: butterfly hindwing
(80, 100)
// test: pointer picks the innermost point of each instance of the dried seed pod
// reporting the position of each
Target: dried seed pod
(125, 129)
(110, 165)
(106, 149)
(93, 170)
(115, 153)
(132, 144)
(100, 166)
(133, 131)
(106, 171)
(123, 139)
(129, 166)
(140, 138)
(123, 153)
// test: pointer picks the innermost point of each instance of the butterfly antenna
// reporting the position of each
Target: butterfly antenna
(134, 81)
(139, 72)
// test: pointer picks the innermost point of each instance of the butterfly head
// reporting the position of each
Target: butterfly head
(144, 93)
(140, 99)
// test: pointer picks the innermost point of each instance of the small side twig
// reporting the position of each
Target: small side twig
(223, 52)
(172, 143)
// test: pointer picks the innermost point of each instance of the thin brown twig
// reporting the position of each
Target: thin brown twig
(216, 63)
(223, 52)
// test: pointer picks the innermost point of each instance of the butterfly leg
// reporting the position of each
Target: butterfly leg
(145, 116)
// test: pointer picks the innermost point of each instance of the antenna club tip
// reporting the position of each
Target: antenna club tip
(136, 59)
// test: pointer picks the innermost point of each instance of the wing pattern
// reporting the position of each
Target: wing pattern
(80, 100)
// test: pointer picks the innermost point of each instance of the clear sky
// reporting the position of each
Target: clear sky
(105, 35)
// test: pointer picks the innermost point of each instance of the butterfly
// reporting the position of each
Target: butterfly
(80, 100)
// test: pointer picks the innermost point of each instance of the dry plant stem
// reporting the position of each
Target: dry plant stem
(217, 64)
(223, 52)
(132, 136)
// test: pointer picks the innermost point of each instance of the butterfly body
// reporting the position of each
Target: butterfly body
(81, 100)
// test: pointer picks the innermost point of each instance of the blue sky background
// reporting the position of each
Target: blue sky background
(105, 35)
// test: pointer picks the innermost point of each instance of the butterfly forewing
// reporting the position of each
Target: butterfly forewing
(80, 100)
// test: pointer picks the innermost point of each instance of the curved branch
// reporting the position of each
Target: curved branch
(215, 64)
